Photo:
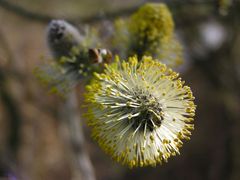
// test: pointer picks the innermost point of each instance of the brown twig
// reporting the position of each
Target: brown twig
(70, 120)
(45, 18)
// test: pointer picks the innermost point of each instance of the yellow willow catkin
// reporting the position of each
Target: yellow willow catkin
(151, 30)
(139, 111)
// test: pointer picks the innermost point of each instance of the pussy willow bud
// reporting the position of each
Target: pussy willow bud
(74, 61)
(62, 37)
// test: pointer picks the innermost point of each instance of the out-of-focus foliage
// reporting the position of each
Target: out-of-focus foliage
(224, 6)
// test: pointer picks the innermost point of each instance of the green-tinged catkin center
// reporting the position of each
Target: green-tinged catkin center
(150, 112)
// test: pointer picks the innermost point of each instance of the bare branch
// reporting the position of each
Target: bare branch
(70, 117)
(44, 18)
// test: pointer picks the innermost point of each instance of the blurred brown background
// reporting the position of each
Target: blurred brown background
(32, 144)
